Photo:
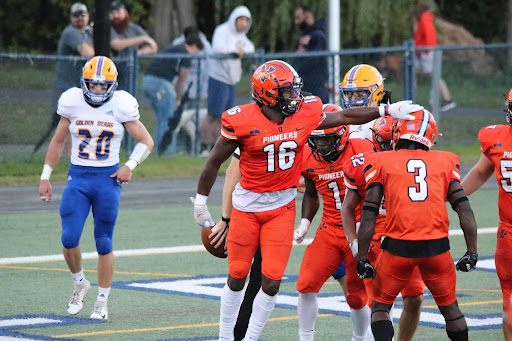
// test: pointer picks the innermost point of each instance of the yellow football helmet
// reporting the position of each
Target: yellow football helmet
(362, 86)
(99, 70)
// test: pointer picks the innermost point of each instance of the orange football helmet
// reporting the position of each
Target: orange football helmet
(508, 103)
(99, 70)
(382, 133)
(328, 144)
(276, 84)
(331, 108)
(422, 130)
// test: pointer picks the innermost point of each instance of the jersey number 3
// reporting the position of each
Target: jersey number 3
(420, 191)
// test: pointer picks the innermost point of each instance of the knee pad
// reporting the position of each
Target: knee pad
(458, 336)
(356, 301)
(69, 240)
(104, 245)
(383, 330)
(239, 269)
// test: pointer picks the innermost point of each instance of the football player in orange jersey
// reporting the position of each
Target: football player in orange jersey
(271, 134)
(496, 147)
(354, 198)
(416, 183)
(324, 157)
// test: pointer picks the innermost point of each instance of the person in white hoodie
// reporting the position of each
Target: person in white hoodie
(229, 38)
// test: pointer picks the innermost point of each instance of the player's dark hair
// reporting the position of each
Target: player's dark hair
(190, 30)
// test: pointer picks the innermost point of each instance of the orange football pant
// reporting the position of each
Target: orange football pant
(414, 287)
(272, 230)
(323, 256)
(503, 259)
(394, 273)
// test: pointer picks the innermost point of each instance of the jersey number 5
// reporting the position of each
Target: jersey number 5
(102, 144)
(285, 155)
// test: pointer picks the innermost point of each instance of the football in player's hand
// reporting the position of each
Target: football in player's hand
(217, 252)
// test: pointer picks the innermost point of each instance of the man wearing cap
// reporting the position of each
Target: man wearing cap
(75, 40)
(124, 34)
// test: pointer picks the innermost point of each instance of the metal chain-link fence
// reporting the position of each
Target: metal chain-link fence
(475, 76)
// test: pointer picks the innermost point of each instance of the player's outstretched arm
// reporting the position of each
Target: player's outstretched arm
(360, 115)
(478, 175)
(460, 204)
(52, 157)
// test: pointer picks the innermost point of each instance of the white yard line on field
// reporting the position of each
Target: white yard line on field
(170, 250)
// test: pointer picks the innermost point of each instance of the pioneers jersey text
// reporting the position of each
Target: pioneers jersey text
(415, 186)
(328, 178)
(271, 153)
(96, 133)
(496, 144)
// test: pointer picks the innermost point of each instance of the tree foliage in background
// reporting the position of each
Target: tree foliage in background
(486, 20)
(36, 25)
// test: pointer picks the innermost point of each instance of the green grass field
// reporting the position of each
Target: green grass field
(167, 289)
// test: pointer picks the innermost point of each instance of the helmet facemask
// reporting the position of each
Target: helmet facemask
(327, 146)
(289, 98)
(97, 98)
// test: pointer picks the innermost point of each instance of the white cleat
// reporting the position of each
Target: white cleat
(76, 302)
(100, 311)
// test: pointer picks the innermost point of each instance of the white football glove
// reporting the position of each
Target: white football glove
(301, 231)
(400, 110)
(201, 214)
(354, 246)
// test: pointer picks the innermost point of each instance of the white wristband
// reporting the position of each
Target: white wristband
(201, 199)
(47, 171)
(131, 164)
(383, 110)
(139, 154)
(305, 221)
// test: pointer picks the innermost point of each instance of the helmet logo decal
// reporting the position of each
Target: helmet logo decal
(264, 73)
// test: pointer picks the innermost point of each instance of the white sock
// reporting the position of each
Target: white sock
(103, 294)
(261, 310)
(360, 322)
(307, 309)
(230, 302)
(79, 277)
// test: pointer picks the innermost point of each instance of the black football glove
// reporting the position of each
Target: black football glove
(468, 262)
(365, 269)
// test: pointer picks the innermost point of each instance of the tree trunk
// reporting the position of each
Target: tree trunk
(171, 17)
(509, 30)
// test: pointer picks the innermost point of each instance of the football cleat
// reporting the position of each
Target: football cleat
(76, 302)
(100, 311)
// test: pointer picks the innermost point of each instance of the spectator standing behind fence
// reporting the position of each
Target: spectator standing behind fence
(313, 70)
(158, 87)
(76, 40)
(425, 35)
(192, 77)
(229, 38)
(126, 36)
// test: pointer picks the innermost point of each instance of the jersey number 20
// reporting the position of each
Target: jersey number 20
(102, 144)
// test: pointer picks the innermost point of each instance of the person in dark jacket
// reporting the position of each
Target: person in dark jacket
(313, 70)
